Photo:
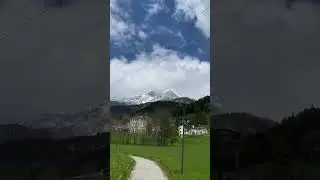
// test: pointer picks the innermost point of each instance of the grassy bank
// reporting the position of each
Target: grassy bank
(196, 157)
(121, 166)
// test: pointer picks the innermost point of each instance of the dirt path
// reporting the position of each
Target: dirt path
(146, 169)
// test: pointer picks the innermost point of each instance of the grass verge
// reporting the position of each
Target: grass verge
(121, 166)
(196, 157)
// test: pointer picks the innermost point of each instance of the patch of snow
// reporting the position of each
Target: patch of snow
(151, 96)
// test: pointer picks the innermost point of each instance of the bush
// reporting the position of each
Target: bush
(173, 140)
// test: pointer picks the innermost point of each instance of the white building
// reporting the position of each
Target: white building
(137, 124)
(193, 131)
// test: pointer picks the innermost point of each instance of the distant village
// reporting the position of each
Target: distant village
(139, 124)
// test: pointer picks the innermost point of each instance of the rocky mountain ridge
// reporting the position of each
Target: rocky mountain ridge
(153, 96)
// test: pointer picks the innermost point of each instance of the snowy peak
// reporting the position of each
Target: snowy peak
(170, 94)
(154, 94)
(151, 96)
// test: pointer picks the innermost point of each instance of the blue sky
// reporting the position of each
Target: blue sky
(158, 45)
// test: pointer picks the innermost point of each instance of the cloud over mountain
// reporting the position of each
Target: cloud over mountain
(158, 45)
(159, 70)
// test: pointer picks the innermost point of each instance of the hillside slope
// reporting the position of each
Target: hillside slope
(197, 112)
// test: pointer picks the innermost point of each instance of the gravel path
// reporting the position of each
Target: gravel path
(146, 169)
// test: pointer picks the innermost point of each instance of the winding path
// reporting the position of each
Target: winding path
(146, 169)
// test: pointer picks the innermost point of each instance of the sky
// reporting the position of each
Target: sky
(266, 56)
(158, 45)
(52, 59)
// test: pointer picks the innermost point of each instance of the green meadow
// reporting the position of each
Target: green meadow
(196, 158)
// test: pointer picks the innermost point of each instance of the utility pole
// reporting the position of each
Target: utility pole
(182, 139)
(182, 148)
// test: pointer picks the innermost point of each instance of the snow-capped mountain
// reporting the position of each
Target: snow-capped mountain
(151, 96)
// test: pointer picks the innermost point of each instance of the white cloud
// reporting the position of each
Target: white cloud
(120, 27)
(162, 30)
(195, 9)
(154, 7)
(166, 30)
(119, 30)
(161, 69)
(142, 34)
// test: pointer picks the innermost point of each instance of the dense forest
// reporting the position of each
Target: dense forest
(44, 158)
(287, 150)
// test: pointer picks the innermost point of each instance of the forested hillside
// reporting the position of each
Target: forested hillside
(197, 112)
(286, 150)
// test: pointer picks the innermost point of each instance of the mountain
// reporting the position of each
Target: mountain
(116, 103)
(241, 122)
(215, 105)
(197, 111)
(90, 121)
(151, 96)
(184, 100)
(276, 152)
(120, 108)
(20, 132)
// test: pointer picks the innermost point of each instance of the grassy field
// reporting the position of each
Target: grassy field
(121, 166)
(196, 157)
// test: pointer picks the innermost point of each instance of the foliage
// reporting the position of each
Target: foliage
(121, 166)
(201, 107)
(173, 140)
(197, 112)
(287, 145)
(158, 131)
(54, 159)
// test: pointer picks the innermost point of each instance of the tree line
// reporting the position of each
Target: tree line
(288, 150)
(162, 120)
(160, 130)
(45, 158)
